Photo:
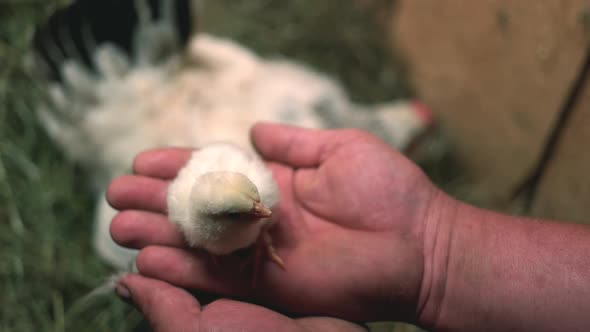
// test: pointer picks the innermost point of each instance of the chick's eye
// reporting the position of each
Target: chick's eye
(234, 215)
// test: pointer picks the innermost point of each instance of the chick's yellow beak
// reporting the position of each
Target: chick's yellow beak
(260, 210)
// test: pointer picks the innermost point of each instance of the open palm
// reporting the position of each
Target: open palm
(351, 222)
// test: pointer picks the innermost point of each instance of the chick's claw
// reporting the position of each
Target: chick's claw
(263, 249)
(271, 252)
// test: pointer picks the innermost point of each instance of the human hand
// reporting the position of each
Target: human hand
(352, 221)
(169, 308)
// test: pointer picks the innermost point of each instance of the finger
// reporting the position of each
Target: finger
(161, 163)
(137, 192)
(138, 229)
(167, 308)
(290, 223)
(300, 147)
(231, 315)
(327, 324)
(194, 270)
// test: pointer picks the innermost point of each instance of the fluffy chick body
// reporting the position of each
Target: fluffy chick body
(220, 181)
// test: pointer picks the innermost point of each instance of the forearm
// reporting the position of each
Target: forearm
(506, 273)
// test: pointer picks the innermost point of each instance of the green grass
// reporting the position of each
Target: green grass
(46, 209)
(46, 261)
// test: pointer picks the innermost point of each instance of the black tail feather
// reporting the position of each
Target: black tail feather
(73, 32)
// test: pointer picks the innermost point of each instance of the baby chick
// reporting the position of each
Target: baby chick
(221, 200)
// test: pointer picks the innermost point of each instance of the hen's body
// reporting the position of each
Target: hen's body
(109, 102)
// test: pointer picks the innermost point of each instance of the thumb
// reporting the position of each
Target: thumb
(299, 147)
(167, 308)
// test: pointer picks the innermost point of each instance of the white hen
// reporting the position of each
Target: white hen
(221, 199)
(129, 75)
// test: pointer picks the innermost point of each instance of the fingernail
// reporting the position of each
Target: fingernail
(123, 292)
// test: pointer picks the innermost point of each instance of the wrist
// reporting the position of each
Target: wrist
(437, 234)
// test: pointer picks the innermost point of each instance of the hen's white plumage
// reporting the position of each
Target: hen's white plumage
(152, 83)
(214, 191)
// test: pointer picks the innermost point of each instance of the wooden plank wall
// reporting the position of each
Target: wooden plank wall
(497, 74)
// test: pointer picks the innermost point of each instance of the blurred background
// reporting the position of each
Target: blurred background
(508, 82)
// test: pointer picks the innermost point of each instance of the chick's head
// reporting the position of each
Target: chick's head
(226, 196)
